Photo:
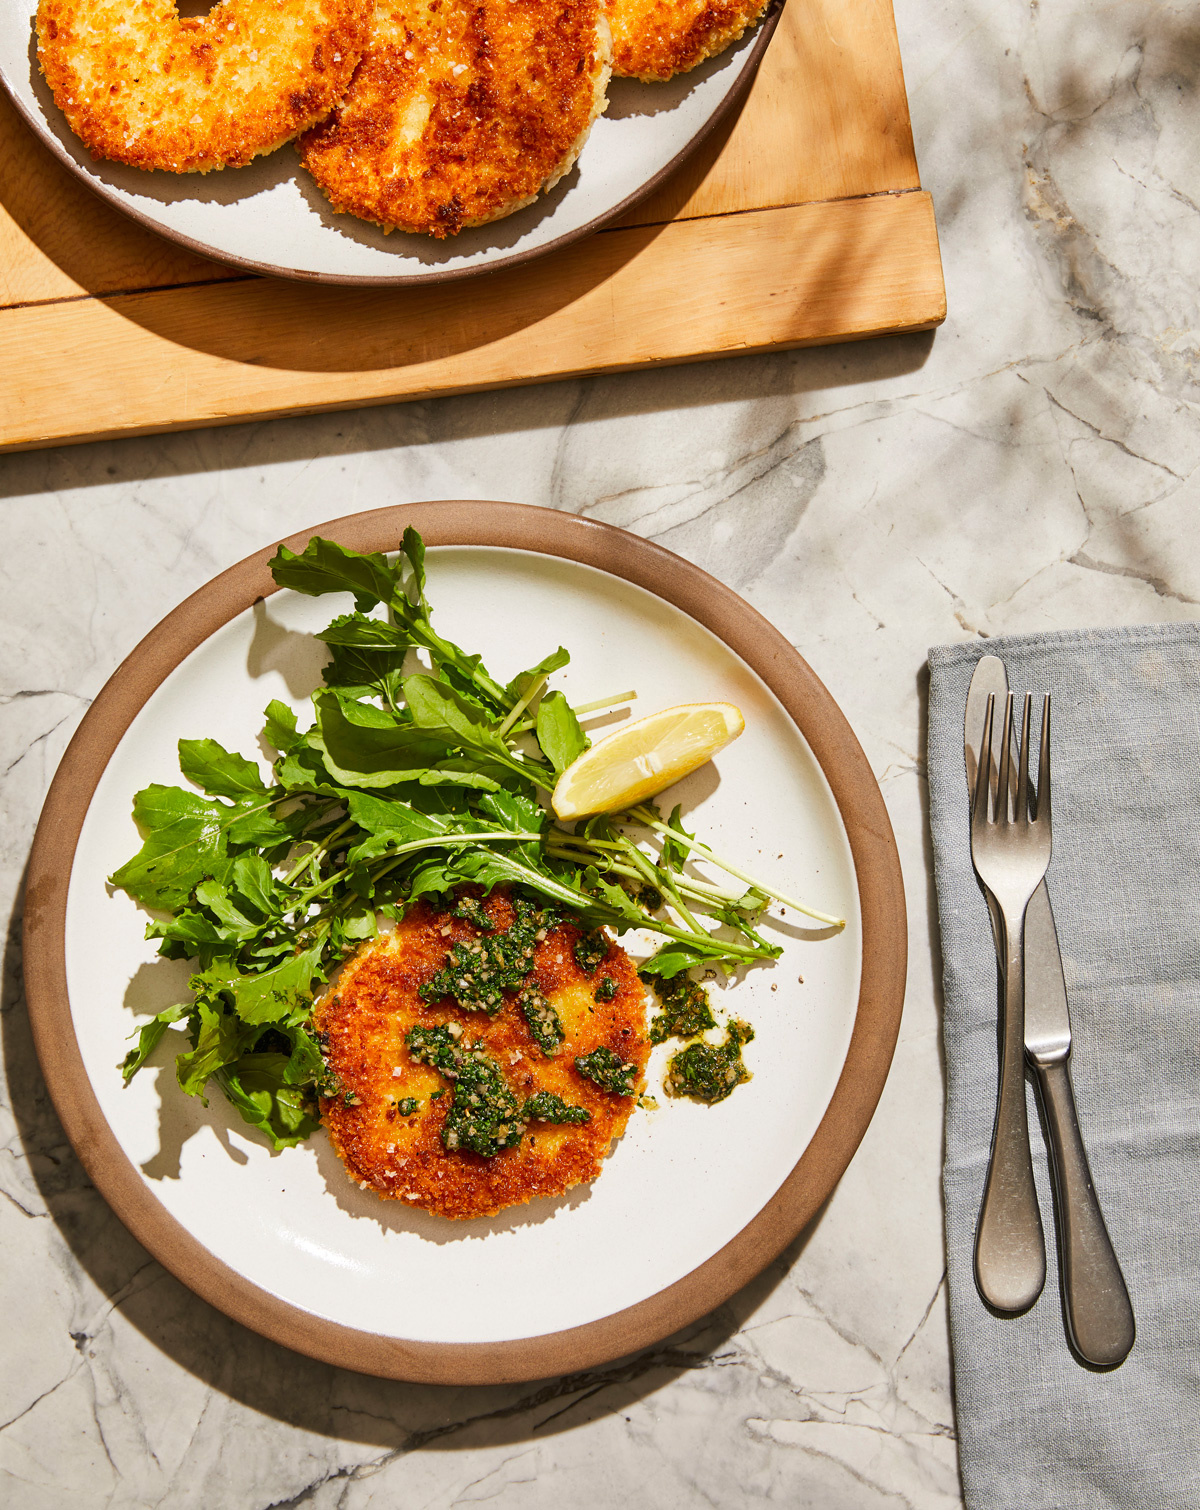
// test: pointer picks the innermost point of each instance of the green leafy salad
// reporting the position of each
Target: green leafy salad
(419, 774)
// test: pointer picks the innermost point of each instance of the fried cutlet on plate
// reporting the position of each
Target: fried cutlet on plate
(655, 39)
(403, 1126)
(462, 111)
(141, 85)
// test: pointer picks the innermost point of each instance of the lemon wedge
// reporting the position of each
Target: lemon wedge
(644, 757)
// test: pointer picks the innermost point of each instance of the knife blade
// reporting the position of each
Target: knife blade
(1096, 1307)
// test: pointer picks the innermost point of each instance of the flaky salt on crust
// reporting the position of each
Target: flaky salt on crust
(141, 85)
(462, 111)
(399, 1154)
(655, 39)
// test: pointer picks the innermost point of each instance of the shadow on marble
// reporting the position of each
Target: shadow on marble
(931, 907)
(289, 1387)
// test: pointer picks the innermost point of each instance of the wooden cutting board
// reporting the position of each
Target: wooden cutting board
(801, 222)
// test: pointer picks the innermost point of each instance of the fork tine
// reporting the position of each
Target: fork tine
(1043, 788)
(1022, 809)
(1002, 796)
(983, 774)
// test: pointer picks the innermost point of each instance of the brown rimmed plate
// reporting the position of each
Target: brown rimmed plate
(270, 217)
(283, 1243)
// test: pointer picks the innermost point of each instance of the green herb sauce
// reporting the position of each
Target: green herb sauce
(591, 950)
(606, 990)
(479, 971)
(470, 909)
(545, 1106)
(685, 1010)
(608, 1070)
(710, 1071)
(484, 1115)
(407, 1105)
(544, 1022)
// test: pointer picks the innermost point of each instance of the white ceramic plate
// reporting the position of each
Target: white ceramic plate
(693, 1201)
(684, 1179)
(270, 217)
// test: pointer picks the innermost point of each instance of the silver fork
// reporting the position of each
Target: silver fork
(1011, 850)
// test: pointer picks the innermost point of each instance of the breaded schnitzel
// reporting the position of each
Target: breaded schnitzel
(141, 85)
(514, 1088)
(655, 39)
(462, 111)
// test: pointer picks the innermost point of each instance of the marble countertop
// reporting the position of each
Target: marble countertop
(1031, 465)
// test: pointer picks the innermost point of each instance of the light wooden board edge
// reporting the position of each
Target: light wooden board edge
(219, 354)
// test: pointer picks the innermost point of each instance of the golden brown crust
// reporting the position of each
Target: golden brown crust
(655, 39)
(462, 111)
(143, 86)
(375, 1002)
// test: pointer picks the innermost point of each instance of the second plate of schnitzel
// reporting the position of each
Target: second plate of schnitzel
(330, 224)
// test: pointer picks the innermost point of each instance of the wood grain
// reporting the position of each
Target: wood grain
(827, 118)
(800, 221)
(208, 355)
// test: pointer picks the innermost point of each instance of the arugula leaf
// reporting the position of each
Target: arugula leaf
(359, 925)
(518, 813)
(218, 771)
(217, 1038)
(367, 657)
(190, 933)
(616, 898)
(465, 770)
(236, 927)
(359, 754)
(673, 959)
(263, 826)
(267, 997)
(515, 810)
(279, 731)
(148, 1039)
(324, 566)
(413, 547)
(524, 680)
(303, 770)
(673, 853)
(439, 710)
(251, 880)
(558, 732)
(257, 1085)
(416, 817)
(184, 838)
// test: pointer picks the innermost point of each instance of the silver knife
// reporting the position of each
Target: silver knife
(1099, 1317)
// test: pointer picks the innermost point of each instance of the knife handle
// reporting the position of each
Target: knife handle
(1096, 1305)
(1010, 1253)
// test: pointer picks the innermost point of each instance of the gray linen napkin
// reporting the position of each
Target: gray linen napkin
(1036, 1428)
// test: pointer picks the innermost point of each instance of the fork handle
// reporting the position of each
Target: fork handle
(1010, 1252)
(1096, 1304)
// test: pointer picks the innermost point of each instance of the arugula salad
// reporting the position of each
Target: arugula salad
(419, 773)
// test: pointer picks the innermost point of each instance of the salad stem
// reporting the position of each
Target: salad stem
(519, 708)
(604, 702)
(647, 819)
(317, 851)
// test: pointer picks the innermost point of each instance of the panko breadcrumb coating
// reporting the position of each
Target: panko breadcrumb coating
(143, 86)
(386, 1114)
(655, 39)
(462, 111)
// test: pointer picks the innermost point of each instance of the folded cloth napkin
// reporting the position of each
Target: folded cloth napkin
(1036, 1428)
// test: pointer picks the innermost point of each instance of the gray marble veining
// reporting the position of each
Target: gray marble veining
(1032, 465)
